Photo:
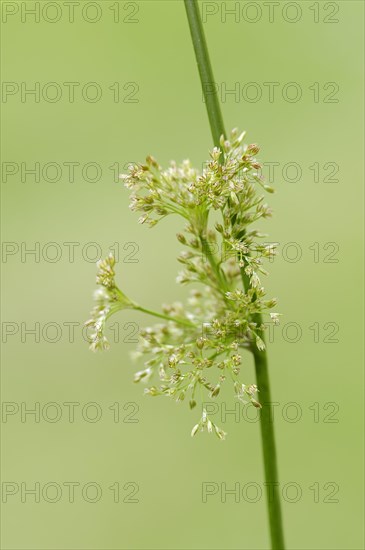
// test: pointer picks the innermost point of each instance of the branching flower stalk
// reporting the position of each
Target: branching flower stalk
(195, 349)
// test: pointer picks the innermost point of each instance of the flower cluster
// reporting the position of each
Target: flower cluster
(198, 347)
(108, 299)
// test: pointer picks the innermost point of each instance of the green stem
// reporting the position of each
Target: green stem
(166, 317)
(205, 70)
(208, 254)
(269, 451)
(260, 358)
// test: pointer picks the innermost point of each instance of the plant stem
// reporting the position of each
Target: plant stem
(260, 357)
(269, 451)
(205, 70)
(166, 317)
(207, 252)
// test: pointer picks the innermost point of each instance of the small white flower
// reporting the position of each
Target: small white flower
(275, 318)
(220, 433)
(260, 343)
(254, 280)
(194, 430)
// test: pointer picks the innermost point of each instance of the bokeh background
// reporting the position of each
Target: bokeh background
(146, 98)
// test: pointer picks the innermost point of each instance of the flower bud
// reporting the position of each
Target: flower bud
(220, 433)
(253, 149)
(150, 160)
(181, 396)
(181, 238)
(215, 391)
(200, 342)
(142, 374)
(194, 430)
(152, 391)
(260, 344)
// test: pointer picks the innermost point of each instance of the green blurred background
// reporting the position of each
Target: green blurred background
(317, 381)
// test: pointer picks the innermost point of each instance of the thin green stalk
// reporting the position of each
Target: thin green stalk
(207, 252)
(166, 317)
(205, 70)
(260, 357)
(269, 452)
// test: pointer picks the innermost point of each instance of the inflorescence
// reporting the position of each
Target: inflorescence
(197, 348)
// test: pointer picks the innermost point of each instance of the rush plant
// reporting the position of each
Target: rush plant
(196, 348)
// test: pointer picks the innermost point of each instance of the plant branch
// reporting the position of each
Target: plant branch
(260, 357)
(207, 252)
(166, 317)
